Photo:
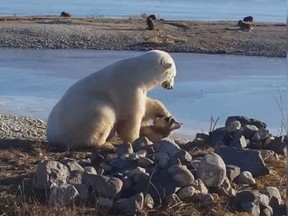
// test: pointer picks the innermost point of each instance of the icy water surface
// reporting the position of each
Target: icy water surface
(261, 10)
(32, 81)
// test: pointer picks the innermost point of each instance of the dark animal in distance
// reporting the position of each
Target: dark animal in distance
(150, 22)
(65, 14)
(245, 25)
(248, 19)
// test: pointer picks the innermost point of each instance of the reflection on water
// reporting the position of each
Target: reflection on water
(32, 81)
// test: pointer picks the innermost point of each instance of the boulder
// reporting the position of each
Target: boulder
(273, 194)
(211, 170)
(247, 159)
(141, 143)
(246, 177)
(167, 146)
(62, 195)
(233, 126)
(48, 173)
(132, 205)
(181, 175)
(125, 148)
(232, 172)
(185, 193)
(245, 121)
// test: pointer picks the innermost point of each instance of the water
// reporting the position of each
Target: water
(261, 10)
(32, 81)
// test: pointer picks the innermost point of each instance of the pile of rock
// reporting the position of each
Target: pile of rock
(142, 176)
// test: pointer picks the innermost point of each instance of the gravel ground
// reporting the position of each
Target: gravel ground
(266, 39)
(21, 128)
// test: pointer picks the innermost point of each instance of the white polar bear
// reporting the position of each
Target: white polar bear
(111, 100)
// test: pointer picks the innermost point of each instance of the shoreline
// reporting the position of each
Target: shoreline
(208, 37)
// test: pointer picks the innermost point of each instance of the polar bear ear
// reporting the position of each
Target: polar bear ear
(164, 64)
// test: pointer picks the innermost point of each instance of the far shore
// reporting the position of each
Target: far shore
(210, 37)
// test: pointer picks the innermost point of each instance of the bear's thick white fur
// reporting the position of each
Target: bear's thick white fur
(111, 100)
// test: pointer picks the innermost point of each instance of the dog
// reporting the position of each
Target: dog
(161, 128)
(150, 22)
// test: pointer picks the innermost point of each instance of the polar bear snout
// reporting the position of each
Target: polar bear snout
(167, 85)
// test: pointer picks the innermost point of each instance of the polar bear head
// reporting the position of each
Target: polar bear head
(162, 68)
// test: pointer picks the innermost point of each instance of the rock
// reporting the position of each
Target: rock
(72, 165)
(85, 162)
(106, 167)
(273, 194)
(83, 192)
(130, 205)
(211, 170)
(183, 156)
(168, 146)
(142, 153)
(62, 195)
(260, 135)
(145, 162)
(245, 121)
(104, 186)
(172, 200)
(141, 143)
(181, 175)
(136, 171)
(232, 172)
(280, 210)
(50, 172)
(193, 166)
(233, 126)
(123, 163)
(125, 148)
(267, 211)
(185, 192)
(200, 186)
(148, 201)
(248, 201)
(105, 202)
(246, 177)
(225, 189)
(220, 136)
(249, 131)
(278, 145)
(162, 159)
(75, 177)
(90, 170)
(238, 141)
(246, 159)
(204, 199)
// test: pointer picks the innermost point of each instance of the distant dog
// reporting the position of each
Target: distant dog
(161, 128)
(150, 22)
(245, 25)
(65, 14)
(248, 19)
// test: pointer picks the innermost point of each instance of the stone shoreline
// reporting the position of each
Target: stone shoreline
(219, 37)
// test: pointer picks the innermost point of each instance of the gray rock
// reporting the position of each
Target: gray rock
(85, 162)
(246, 159)
(232, 172)
(261, 134)
(104, 186)
(248, 201)
(181, 175)
(186, 193)
(122, 163)
(273, 194)
(249, 131)
(75, 177)
(162, 159)
(211, 170)
(83, 192)
(238, 141)
(251, 207)
(125, 148)
(233, 126)
(141, 143)
(90, 170)
(200, 186)
(130, 205)
(168, 146)
(172, 200)
(142, 153)
(50, 172)
(267, 211)
(145, 162)
(62, 195)
(278, 145)
(193, 166)
(72, 165)
(148, 201)
(280, 210)
(220, 136)
(204, 199)
(105, 202)
(245, 121)
(246, 177)
(183, 156)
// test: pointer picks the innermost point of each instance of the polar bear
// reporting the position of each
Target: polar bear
(114, 99)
